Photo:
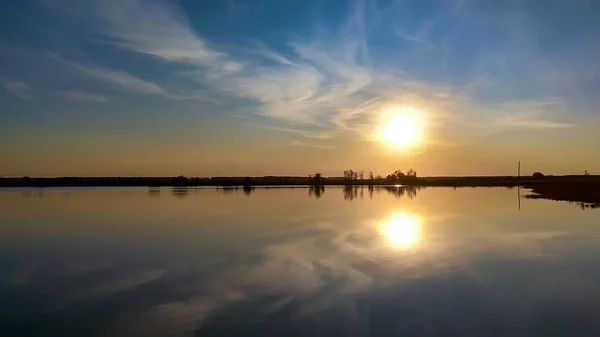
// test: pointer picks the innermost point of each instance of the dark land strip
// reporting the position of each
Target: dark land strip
(575, 188)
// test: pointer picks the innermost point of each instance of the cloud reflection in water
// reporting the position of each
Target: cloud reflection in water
(281, 264)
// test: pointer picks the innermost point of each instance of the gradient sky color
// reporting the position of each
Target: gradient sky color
(265, 87)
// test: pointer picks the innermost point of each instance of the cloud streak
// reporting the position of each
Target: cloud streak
(303, 133)
(120, 79)
(80, 95)
(17, 88)
(530, 114)
(161, 30)
(315, 146)
(539, 124)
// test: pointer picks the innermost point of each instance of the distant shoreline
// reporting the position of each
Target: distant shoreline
(575, 188)
(465, 181)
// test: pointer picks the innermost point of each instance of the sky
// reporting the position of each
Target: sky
(266, 87)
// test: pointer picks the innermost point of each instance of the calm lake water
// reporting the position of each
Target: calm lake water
(296, 262)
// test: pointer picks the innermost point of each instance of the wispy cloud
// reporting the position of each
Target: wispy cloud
(121, 79)
(328, 84)
(80, 95)
(539, 124)
(17, 88)
(413, 38)
(303, 133)
(536, 114)
(162, 30)
(301, 90)
(316, 146)
(419, 37)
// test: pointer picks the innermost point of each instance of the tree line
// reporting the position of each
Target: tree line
(316, 179)
(396, 176)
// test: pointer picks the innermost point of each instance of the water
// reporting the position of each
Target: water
(296, 262)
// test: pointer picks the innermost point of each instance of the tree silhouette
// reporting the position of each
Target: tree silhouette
(351, 175)
(395, 176)
(26, 181)
(318, 179)
(348, 175)
(180, 181)
(538, 175)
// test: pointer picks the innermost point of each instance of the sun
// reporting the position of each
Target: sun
(401, 129)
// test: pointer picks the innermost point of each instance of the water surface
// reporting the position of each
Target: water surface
(296, 262)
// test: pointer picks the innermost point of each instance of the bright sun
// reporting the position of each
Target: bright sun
(401, 129)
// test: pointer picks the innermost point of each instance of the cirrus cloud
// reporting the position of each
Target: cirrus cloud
(329, 83)
(18, 89)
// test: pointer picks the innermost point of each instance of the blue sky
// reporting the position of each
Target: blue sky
(151, 87)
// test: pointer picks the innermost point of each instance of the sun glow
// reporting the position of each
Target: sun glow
(401, 231)
(401, 127)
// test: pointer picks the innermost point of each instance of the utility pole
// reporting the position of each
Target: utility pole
(519, 185)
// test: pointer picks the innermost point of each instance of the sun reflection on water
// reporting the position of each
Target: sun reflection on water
(401, 230)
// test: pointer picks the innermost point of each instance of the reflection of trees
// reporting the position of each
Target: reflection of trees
(180, 192)
(29, 194)
(317, 190)
(248, 190)
(588, 205)
(350, 192)
(401, 191)
(152, 191)
(229, 190)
